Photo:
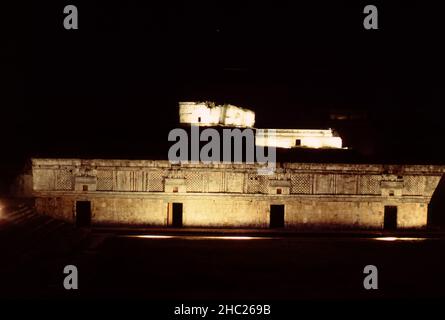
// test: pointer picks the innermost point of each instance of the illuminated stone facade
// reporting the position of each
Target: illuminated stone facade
(206, 114)
(297, 195)
(295, 138)
(209, 114)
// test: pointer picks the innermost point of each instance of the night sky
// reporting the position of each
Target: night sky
(110, 88)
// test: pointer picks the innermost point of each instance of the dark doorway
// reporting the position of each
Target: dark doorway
(436, 206)
(277, 216)
(297, 142)
(390, 219)
(83, 213)
(177, 215)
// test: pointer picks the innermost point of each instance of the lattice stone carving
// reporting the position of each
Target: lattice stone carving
(194, 182)
(264, 185)
(104, 180)
(64, 180)
(256, 183)
(301, 183)
(253, 183)
(413, 185)
(156, 180)
(369, 184)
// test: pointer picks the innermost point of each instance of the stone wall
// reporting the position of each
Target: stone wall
(292, 138)
(234, 195)
(209, 114)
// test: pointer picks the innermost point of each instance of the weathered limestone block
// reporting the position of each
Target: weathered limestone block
(44, 179)
(391, 188)
(175, 185)
(85, 183)
(279, 186)
(234, 182)
(324, 184)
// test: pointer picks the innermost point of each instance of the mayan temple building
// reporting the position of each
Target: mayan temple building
(296, 195)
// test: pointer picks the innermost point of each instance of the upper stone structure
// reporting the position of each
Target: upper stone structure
(294, 138)
(210, 114)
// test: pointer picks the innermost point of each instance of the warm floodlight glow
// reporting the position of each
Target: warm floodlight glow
(210, 114)
(151, 236)
(198, 237)
(233, 238)
(305, 138)
(193, 237)
(399, 239)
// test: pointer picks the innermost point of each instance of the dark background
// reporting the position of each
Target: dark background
(111, 88)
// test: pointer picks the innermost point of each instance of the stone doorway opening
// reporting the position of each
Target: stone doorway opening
(174, 215)
(276, 216)
(83, 213)
(390, 218)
